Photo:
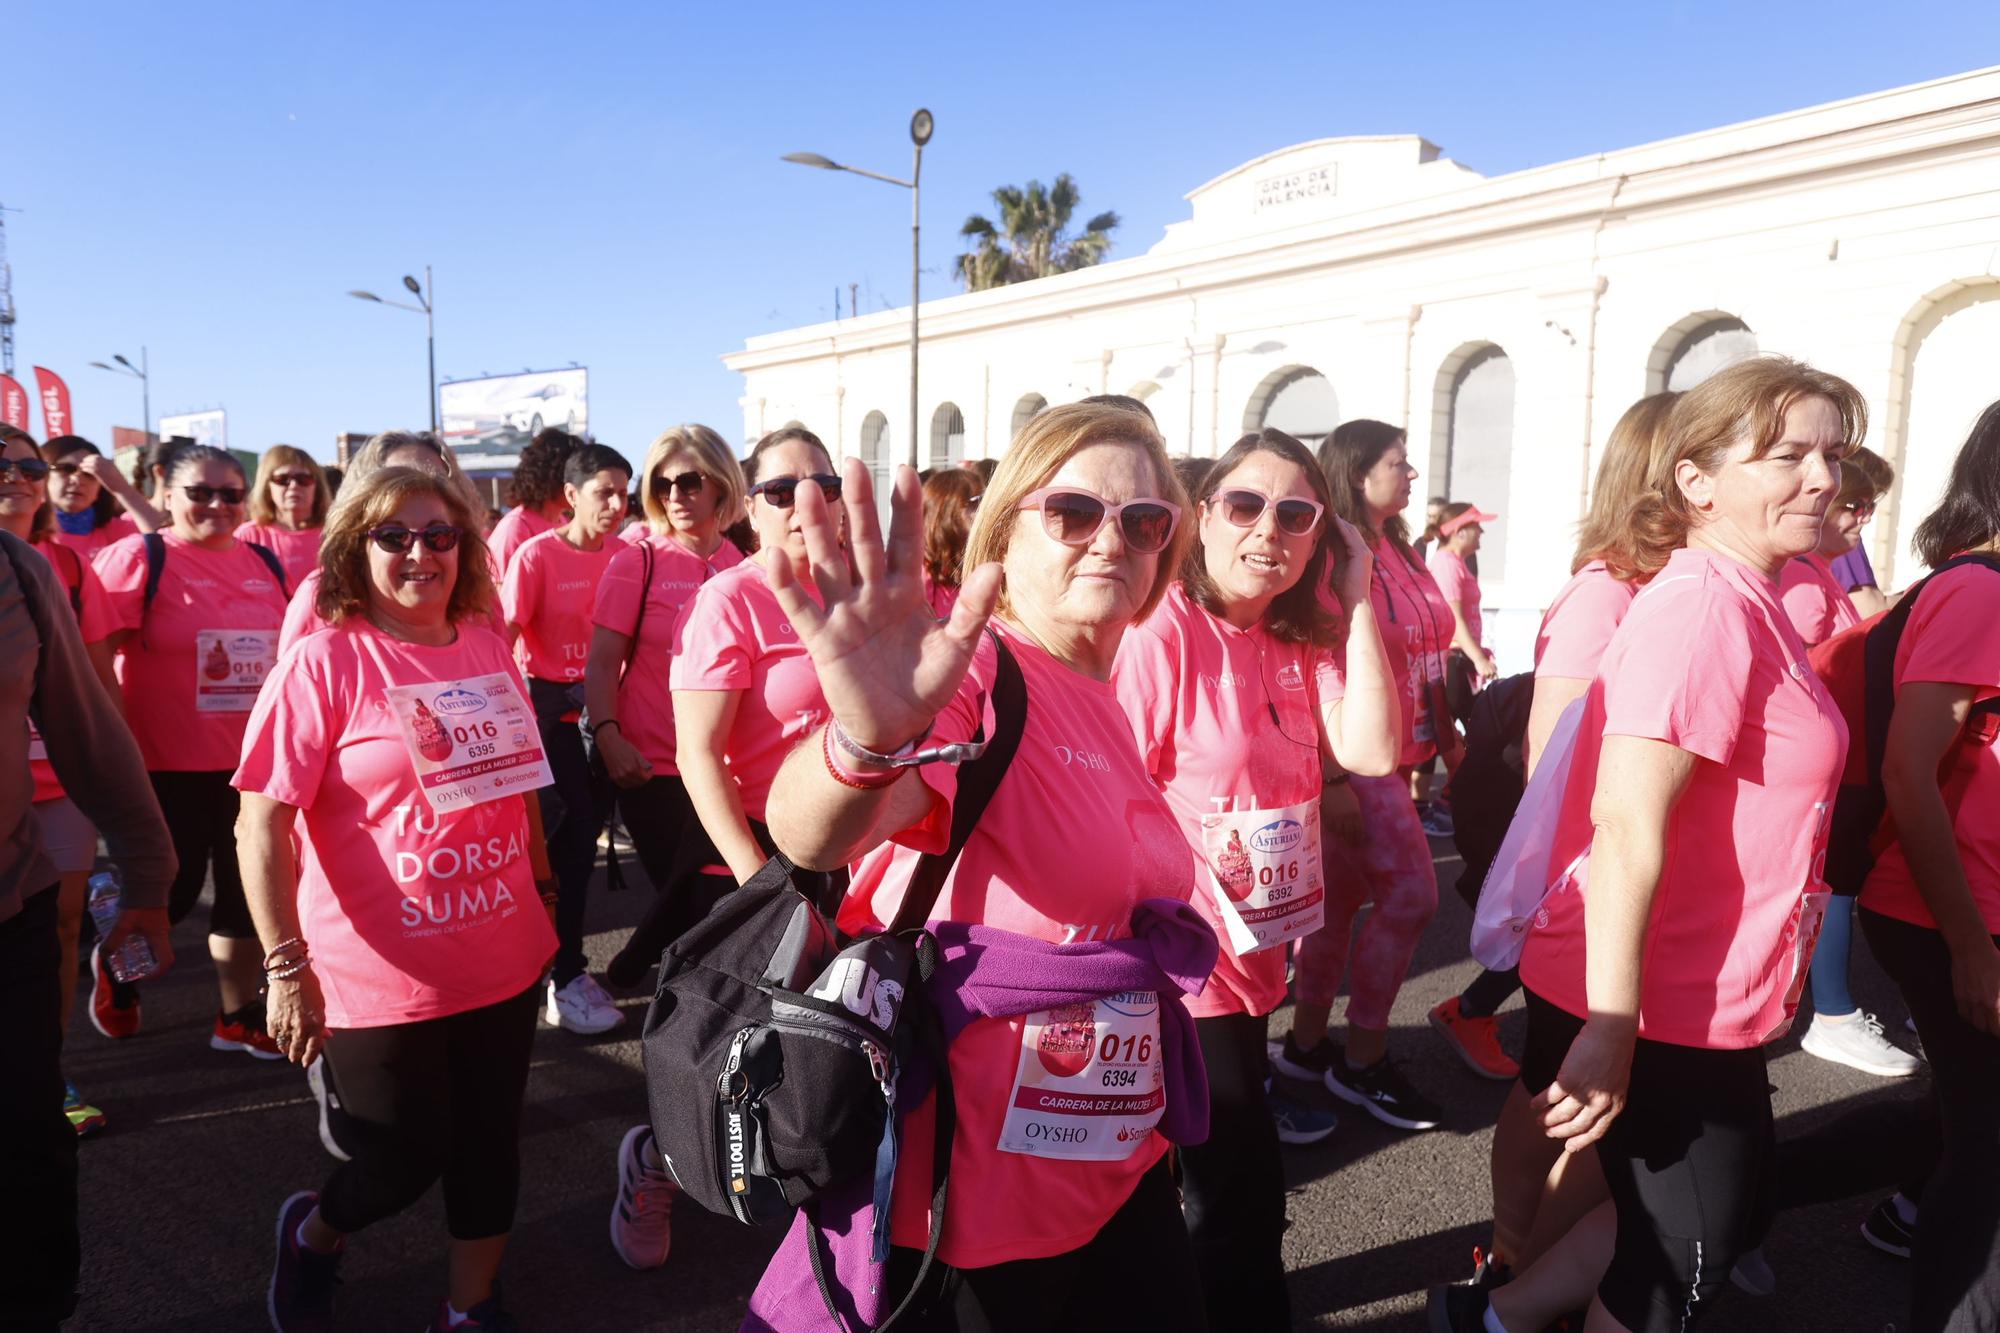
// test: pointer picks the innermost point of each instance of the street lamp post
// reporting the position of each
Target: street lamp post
(921, 126)
(142, 373)
(426, 295)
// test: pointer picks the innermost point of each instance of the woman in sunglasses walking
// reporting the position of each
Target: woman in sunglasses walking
(288, 503)
(395, 868)
(197, 615)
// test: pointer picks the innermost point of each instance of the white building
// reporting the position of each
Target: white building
(1506, 322)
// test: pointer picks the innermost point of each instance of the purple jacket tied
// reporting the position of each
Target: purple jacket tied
(988, 973)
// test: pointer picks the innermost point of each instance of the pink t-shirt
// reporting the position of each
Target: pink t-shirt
(1224, 715)
(201, 592)
(1707, 662)
(734, 636)
(550, 590)
(297, 550)
(1459, 586)
(1953, 636)
(91, 544)
(93, 615)
(513, 531)
(1818, 606)
(410, 913)
(1416, 626)
(645, 699)
(1074, 839)
(1580, 622)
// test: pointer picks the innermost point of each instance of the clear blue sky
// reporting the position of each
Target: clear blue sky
(600, 183)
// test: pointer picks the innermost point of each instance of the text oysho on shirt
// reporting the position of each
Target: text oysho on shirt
(203, 594)
(410, 912)
(550, 590)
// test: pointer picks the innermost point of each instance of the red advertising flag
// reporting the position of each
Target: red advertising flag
(13, 403)
(55, 402)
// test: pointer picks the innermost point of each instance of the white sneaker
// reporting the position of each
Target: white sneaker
(1857, 1041)
(582, 1006)
(642, 1215)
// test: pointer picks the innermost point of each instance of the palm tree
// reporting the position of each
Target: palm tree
(1030, 240)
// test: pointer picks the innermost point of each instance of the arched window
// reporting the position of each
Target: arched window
(1297, 400)
(873, 448)
(1696, 348)
(947, 436)
(1024, 412)
(1478, 461)
(1950, 384)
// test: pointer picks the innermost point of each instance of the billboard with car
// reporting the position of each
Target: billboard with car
(505, 411)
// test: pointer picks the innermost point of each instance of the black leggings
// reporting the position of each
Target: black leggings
(1689, 1164)
(200, 809)
(572, 817)
(1955, 1285)
(441, 1097)
(1134, 1273)
(1233, 1186)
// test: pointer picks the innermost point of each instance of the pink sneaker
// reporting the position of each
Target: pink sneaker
(642, 1216)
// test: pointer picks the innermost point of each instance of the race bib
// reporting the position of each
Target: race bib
(230, 666)
(1264, 868)
(471, 741)
(1090, 1085)
(1812, 915)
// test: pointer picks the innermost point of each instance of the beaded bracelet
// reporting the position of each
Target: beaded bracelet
(288, 970)
(280, 947)
(850, 777)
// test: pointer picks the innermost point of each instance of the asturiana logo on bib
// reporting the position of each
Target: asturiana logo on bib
(1278, 836)
(1133, 1003)
(1291, 677)
(250, 645)
(458, 703)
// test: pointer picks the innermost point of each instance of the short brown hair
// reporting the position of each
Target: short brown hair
(1864, 475)
(1630, 457)
(948, 511)
(1746, 401)
(285, 455)
(343, 551)
(1038, 453)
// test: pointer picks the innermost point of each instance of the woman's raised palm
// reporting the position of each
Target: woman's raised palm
(886, 666)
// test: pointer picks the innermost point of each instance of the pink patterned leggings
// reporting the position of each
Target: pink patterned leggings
(1392, 869)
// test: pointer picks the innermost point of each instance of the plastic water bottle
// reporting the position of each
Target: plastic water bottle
(135, 959)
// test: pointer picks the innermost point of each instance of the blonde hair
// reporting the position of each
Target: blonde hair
(344, 586)
(1631, 455)
(1048, 441)
(1745, 402)
(284, 455)
(712, 458)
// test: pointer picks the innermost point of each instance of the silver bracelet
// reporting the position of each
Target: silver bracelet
(906, 756)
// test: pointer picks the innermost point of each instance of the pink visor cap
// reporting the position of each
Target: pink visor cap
(1469, 516)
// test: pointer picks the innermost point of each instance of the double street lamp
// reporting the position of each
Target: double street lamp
(424, 293)
(139, 373)
(921, 125)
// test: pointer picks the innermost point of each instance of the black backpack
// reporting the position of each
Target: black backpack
(772, 1046)
(1487, 788)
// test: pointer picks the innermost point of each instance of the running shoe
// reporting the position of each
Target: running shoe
(1476, 1041)
(1857, 1042)
(114, 1004)
(1384, 1093)
(300, 1297)
(1886, 1230)
(1436, 819)
(1753, 1274)
(84, 1118)
(328, 1102)
(245, 1032)
(485, 1317)
(582, 1006)
(1489, 1270)
(1305, 1066)
(642, 1215)
(1458, 1307)
(1300, 1124)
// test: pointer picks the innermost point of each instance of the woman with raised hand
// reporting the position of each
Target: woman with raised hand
(288, 504)
(1057, 1219)
(197, 614)
(394, 865)
(1236, 685)
(95, 504)
(1685, 893)
(1368, 476)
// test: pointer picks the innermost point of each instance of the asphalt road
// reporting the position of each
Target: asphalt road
(180, 1192)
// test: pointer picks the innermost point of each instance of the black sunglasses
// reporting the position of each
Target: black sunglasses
(397, 539)
(29, 469)
(687, 483)
(781, 491)
(201, 495)
(291, 479)
(67, 469)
